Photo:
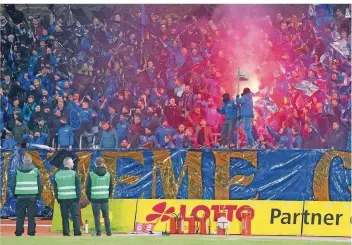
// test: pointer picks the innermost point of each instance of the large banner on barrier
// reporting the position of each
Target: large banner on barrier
(290, 218)
(318, 175)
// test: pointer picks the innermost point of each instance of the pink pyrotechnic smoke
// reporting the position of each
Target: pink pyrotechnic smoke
(246, 44)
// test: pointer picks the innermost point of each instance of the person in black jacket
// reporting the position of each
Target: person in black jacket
(337, 137)
(322, 121)
(54, 125)
(113, 117)
(41, 127)
(173, 113)
(35, 117)
(98, 180)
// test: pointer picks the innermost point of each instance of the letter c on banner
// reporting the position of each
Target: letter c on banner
(322, 174)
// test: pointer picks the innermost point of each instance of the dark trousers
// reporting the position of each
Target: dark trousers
(68, 207)
(26, 206)
(52, 136)
(104, 207)
(227, 132)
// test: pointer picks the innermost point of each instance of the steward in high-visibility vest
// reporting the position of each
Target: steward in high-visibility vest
(65, 180)
(67, 188)
(99, 189)
(27, 188)
(100, 185)
(26, 182)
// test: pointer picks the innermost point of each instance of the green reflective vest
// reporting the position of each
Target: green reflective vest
(65, 180)
(26, 183)
(100, 186)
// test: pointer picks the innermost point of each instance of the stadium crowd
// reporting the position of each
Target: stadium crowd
(160, 80)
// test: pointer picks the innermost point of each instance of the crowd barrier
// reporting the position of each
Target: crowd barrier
(284, 218)
(286, 175)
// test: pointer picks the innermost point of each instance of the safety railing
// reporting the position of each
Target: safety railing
(87, 136)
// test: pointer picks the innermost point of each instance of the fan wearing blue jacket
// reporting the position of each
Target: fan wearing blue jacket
(229, 109)
(161, 132)
(9, 142)
(109, 138)
(25, 82)
(65, 135)
(88, 119)
(122, 129)
(33, 63)
(86, 113)
(283, 138)
(246, 104)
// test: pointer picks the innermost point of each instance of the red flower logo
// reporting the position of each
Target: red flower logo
(160, 211)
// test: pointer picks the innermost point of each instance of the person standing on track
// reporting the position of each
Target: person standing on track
(99, 189)
(67, 188)
(27, 188)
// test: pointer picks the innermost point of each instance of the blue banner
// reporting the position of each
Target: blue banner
(320, 175)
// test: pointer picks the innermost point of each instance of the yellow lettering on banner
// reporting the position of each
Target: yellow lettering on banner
(111, 158)
(222, 172)
(321, 174)
(6, 157)
(48, 191)
(192, 165)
